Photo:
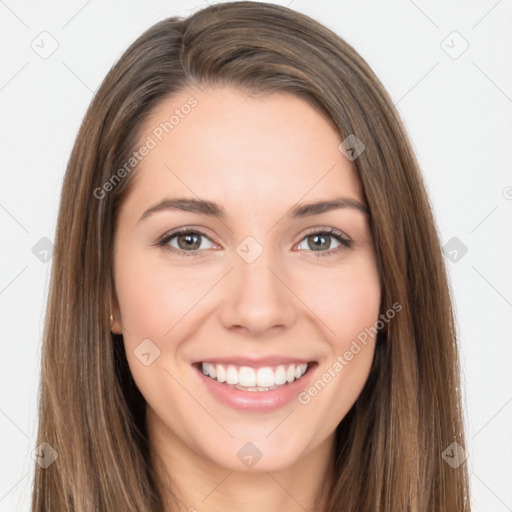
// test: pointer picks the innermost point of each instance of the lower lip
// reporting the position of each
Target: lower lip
(257, 401)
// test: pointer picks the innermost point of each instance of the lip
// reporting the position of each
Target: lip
(254, 362)
(255, 401)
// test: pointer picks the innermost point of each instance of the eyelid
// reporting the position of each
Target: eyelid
(328, 230)
(184, 229)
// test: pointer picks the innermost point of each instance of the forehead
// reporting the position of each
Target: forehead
(223, 144)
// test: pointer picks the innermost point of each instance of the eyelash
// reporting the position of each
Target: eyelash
(345, 242)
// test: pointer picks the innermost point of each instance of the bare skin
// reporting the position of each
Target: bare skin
(257, 157)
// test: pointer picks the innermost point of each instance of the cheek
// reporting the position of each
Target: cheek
(357, 307)
(153, 296)
(347, 300)
(352, 310)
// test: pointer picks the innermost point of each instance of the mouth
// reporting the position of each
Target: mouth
(255, 379)
(248, 378)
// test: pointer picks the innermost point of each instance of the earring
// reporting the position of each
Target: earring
(111, 322)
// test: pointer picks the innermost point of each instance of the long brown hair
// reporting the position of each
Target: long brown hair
(389, 447)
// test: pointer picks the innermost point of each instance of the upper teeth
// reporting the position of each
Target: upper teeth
(250, 377)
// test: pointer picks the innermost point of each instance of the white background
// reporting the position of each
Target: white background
(458, 114)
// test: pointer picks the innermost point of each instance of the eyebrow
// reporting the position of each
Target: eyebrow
(210, 208)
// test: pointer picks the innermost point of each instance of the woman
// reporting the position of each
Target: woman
(248, 306)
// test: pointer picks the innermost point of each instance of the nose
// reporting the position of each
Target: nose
(257, 297)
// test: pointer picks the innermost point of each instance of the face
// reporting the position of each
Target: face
(250, 282)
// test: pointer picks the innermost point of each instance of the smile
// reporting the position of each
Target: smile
(247, 378)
